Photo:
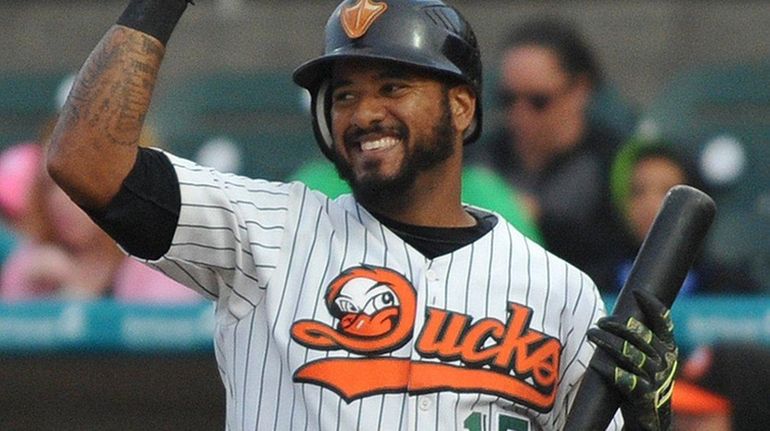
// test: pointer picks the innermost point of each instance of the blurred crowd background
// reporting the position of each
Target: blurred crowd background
(593, 110)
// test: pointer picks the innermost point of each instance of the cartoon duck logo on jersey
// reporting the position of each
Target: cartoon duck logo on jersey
(375, 308)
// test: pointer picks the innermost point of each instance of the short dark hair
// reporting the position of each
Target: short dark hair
(563, 38)
(636, 150)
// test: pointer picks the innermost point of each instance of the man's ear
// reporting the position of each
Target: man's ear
(462, 103)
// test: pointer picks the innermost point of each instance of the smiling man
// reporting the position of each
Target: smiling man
(396, 307)
(395, 144)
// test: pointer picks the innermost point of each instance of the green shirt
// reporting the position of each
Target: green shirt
(481, 187)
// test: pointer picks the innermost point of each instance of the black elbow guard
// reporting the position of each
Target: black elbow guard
(142, 217)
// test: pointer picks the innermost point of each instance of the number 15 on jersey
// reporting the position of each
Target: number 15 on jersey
(478, 422)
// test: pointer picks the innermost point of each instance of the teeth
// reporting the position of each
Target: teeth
(379, 144)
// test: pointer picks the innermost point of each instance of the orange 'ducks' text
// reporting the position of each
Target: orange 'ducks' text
(508, 360)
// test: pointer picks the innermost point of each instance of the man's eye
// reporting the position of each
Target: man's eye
(341, 96)
(391, 88)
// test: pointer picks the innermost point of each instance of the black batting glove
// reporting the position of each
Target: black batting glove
(642, 363)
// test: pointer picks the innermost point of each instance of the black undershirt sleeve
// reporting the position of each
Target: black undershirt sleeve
(143, 216)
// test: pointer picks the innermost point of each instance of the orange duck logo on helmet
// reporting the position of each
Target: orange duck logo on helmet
(357, 19)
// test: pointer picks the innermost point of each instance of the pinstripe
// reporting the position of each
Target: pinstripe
(291, 254)
(232, 184)
(385, 264)
(469, 271)
(580, 294)
(206, 246)
(319, 292)
(487, 296)
(304, 277)
(582, 344)
(227, 228)
(547, 288)
(236, 386)
(230, 268)
(211, 247)
(566, 296)
(510, 263)
(529, 270)
(467, 290)
(342, 266)
(319, 296)
(232, 288)
(339, 414)
(246, 372)
(230, 210)
(265, 246)
(365, 233)
(446, 306)
(263, 227)
(404, 407)
(360, 409)
(189, 276)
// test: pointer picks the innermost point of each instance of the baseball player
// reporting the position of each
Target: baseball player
(394, 308)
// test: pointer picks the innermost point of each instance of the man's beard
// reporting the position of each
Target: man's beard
(427, 153)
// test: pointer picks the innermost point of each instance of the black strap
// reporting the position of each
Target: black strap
(154, 17)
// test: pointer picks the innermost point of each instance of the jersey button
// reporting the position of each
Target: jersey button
(425, 403)
(431, 275)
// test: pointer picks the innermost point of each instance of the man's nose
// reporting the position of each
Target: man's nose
(368, 111)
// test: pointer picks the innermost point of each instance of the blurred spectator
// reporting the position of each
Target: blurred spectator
(16, 173)
(19, 166)
(481, 187)
(61, 252)
(725, 387)
(7, 243)
(548, 148)
(642, 175)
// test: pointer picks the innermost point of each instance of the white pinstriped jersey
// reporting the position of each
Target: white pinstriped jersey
(327, 320)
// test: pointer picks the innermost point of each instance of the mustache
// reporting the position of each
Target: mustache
(356, 134)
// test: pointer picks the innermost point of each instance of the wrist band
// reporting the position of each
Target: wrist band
(154, 17)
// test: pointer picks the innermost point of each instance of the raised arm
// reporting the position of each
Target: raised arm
(94, 144)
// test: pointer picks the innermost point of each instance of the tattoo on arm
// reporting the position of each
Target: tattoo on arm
(112, 93)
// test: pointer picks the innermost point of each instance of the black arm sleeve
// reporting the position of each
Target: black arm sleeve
(154, 17)
(143, 216)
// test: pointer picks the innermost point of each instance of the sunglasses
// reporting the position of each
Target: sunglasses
(539, 102)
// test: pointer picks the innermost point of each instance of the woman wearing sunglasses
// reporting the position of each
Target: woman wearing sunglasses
(548, 148)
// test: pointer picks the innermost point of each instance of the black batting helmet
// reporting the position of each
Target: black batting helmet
(426, 34)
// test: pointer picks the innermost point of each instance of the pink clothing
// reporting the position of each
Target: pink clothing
(132, 281)
(137, 282)
(15, 283)
(19, 165)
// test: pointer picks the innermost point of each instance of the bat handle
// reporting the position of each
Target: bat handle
(660, 268)
(605, 402)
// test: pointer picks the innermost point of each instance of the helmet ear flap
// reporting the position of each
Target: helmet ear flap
(321, 111)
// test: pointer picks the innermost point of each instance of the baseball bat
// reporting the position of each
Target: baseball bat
(660, 267)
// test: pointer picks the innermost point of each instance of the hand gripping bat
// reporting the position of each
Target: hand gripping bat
(660, 268)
